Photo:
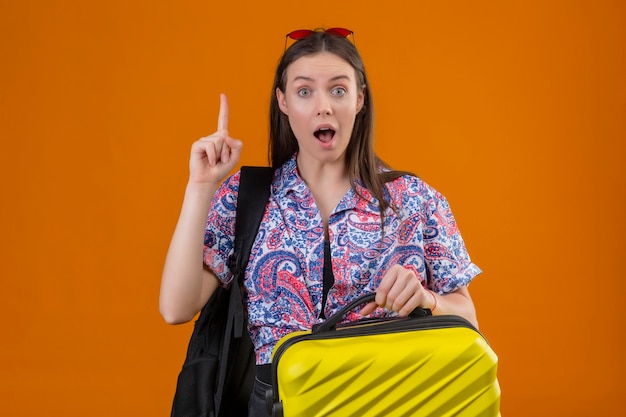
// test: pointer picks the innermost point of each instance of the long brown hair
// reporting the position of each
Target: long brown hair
(361, 160)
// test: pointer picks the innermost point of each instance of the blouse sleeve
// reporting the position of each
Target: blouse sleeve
(219, 235)
(447, 261)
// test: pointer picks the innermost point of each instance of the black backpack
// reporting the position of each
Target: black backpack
(218, 373)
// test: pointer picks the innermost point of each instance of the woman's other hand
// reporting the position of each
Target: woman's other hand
(400, 290)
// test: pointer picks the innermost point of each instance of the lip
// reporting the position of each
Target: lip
(325, 126)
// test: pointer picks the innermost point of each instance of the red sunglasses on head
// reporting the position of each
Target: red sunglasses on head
(305, 33)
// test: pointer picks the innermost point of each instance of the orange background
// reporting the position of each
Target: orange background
(514, 110)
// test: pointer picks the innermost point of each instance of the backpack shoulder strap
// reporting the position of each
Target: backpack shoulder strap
(254, 191)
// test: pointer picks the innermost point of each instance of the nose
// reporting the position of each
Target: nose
(323, 105)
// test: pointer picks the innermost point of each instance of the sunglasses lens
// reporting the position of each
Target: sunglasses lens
(305, 33)
(339, 32)
(300, 34)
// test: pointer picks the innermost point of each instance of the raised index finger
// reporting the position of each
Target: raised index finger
(222, 120)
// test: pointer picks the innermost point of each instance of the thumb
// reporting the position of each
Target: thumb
(235, 146)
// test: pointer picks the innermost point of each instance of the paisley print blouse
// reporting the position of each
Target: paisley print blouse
(284, 276)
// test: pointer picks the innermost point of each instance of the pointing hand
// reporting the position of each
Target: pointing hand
(214, 156)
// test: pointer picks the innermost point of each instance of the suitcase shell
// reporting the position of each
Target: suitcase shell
(427, 366)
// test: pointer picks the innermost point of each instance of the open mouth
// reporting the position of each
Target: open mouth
(324, 134)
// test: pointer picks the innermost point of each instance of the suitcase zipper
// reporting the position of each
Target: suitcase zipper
(365, 327)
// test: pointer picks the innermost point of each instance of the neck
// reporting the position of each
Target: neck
(321, 174)
(328, 184)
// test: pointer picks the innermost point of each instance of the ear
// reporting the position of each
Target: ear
(360, 99)
(282, 103)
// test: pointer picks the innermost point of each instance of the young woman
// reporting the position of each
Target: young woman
(335, 210)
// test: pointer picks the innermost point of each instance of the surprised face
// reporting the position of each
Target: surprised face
(321, 100)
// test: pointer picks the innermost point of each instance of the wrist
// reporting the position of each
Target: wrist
(201, 189)
(433, 296)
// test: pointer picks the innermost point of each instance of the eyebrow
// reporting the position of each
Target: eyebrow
(336, 78)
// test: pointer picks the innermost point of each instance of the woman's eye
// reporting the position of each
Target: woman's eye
(304, 92)
(338, 91)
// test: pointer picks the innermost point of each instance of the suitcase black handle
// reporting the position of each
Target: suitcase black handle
(331, 323)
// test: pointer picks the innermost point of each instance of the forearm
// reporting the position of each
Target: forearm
(458, 303)
(185, 287)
